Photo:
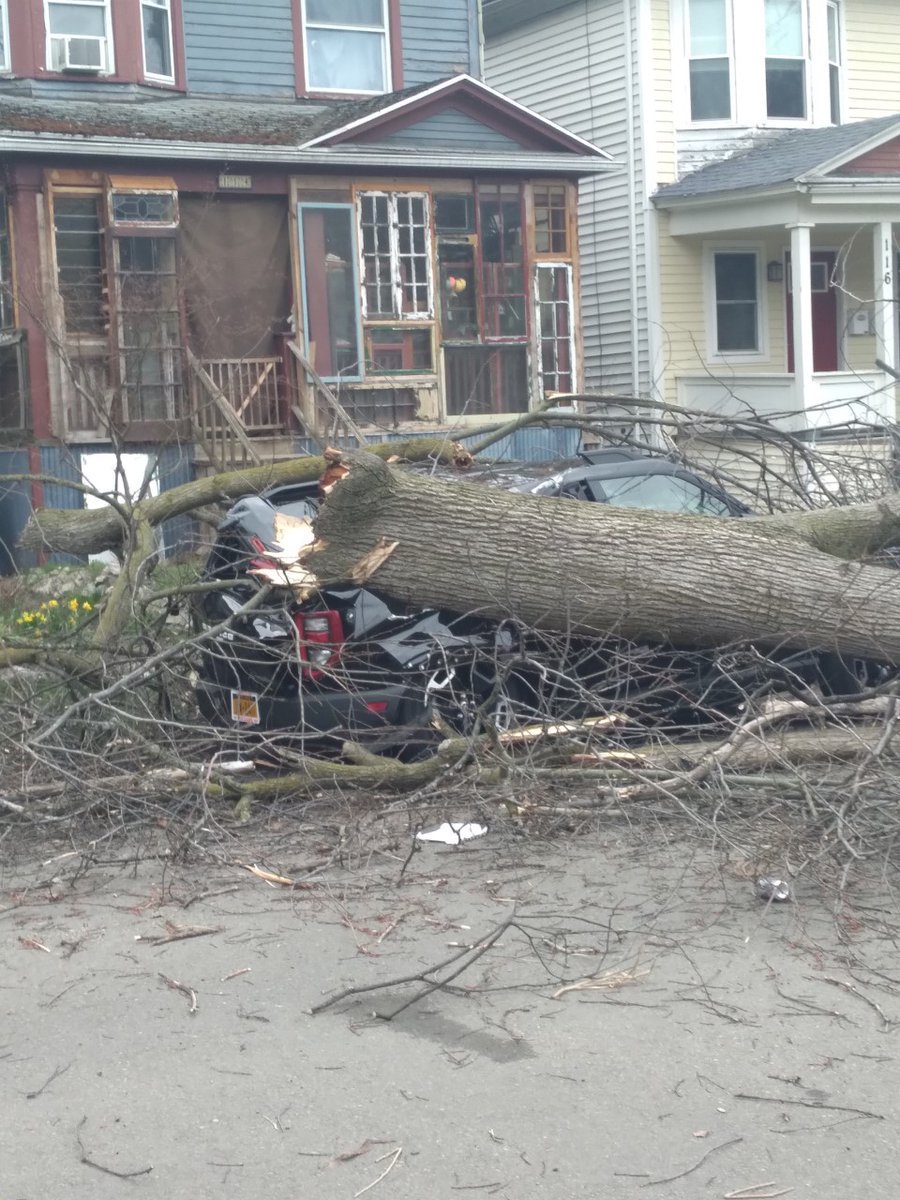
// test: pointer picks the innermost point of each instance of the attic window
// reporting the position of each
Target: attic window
(143, 208)
(346, 46)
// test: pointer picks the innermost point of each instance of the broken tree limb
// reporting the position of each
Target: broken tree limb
(594, 569)
(88, 531)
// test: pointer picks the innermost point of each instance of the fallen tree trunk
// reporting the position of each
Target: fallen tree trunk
(593, 569)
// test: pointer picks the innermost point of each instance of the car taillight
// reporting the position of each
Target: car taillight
(263, 563)
(321, 637)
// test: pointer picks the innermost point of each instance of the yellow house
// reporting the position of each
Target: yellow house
(745, 259)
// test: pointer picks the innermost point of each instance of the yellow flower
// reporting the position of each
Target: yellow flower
(53, 604)
(87, 607)
(42, 617)
(28, 617)
(73, 604)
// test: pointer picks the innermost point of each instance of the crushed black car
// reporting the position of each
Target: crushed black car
(351, 663)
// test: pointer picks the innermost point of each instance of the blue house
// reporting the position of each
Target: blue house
(230, 230)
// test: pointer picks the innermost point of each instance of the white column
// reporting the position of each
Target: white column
(801, 284)
(885, 294)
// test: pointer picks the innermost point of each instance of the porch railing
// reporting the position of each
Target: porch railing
(251, 387)
(218, 427)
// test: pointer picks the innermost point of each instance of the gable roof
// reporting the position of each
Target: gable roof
(798, 156)
(487, 101)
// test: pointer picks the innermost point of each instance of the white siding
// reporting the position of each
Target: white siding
(572, 67)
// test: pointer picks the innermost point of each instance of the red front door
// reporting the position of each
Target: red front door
(824, 313)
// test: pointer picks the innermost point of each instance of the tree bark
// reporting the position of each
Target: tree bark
(593, 569)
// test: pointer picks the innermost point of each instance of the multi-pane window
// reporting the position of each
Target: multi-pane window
(148, 327)
(502, 260)
(710, 59)
(551, 227)
(736, 276)
(79, 35)
(346, 45)
(553, 288)
(390, 349)
(396, 255)
(834, 61)
(785, 59)
(80, 263)
(156, 22)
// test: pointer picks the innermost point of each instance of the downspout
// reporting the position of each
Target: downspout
(628, 6)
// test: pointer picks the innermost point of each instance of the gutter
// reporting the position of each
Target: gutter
(239, 152)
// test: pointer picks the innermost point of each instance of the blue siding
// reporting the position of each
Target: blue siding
(15, 508)
(440, 38)
(450, 128)
(239, 48)
(62, 463)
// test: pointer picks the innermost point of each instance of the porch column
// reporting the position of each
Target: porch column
(885, 293)
(801, 289)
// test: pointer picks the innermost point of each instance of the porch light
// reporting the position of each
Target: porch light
(775, 271)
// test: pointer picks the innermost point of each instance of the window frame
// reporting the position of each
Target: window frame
(732, 66)
(161, 6)
(804, 59)
(350, 207)
(6, 58)
(396, 255)
(837, 64)
(106, 6)
(389, 32)
(748, 62)
(539, 340)
(713, 353)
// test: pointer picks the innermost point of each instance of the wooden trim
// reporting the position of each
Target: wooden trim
(395, 34)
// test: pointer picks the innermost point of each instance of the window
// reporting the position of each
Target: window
(5, 62)
(346, 45)
(78, 36)
(551, 228)
(785, 59)
(502, 260)
(834, 61)
(143, 208)
(80, 263)
(396, 255)
(665, 493)
(710, 61)
(330, 290)
(390, 349)
(156, 24)
(553, 288)
(148, 327)
(736, 275)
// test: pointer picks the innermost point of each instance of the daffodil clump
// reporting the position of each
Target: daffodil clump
(54, 617)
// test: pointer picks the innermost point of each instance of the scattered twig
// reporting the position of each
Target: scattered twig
(56, 1074)
(395, 1157)
(235, 974)
(756, 1192)
(89, 1162)
(697, 1165)
(850, 987)
(472, 953)
(184, 989)
(33, 944)
(208, 895)
(363, 1148)
(862, 1112)
(178, 933)
(608, 982)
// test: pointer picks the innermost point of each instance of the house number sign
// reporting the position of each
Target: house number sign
(236, 183)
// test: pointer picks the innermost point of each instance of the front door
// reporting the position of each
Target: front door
(824, 312)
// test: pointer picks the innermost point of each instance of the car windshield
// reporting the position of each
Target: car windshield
(664, 492)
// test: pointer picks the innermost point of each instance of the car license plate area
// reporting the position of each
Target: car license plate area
(245, 708)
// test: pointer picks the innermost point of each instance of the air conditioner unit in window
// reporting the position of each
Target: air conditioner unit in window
(87, 54)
